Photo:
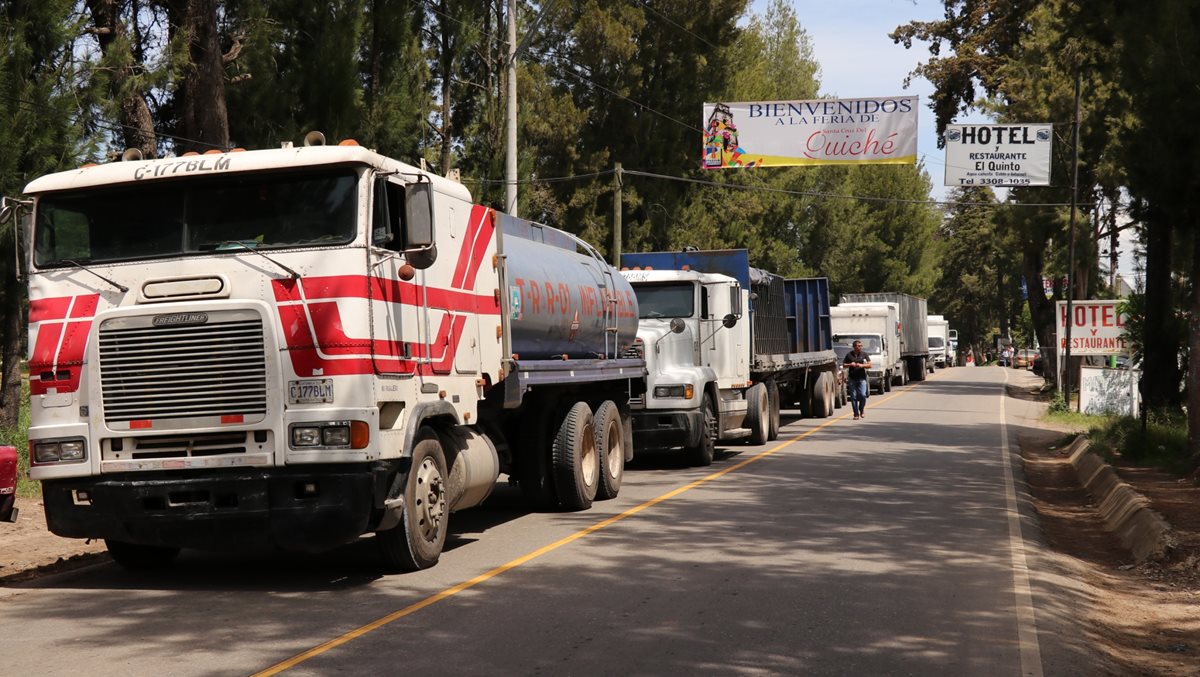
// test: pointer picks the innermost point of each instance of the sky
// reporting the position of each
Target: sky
(857, 58)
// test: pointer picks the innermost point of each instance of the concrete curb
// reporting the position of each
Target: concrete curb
(1126, 512)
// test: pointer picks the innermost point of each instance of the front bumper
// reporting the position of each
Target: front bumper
(221, 510)
(667, 428)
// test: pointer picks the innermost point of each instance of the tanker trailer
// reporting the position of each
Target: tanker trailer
(567, 318)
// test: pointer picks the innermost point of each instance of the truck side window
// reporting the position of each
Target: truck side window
(388, 220)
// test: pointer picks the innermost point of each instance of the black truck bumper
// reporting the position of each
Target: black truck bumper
(666, 429)
(307, 509)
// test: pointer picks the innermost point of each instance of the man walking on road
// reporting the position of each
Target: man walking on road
(857, 363)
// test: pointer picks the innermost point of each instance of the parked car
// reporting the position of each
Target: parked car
(1038, 365)
(8, 483)
(1023, 358)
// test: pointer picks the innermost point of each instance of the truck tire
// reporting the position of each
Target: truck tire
(758, 413)
(919, 371)
(885, 382)
(831, 398)
(821, 395)
(140, 557)
(610, 443)
(574, 459)
(903, 377)
(416, 542)
(702, 454)
(773, 404)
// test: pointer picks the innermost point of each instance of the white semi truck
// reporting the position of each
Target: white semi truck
(939, 342)
(877, 325)
(914, 332)
(726, 345)
(294, 347)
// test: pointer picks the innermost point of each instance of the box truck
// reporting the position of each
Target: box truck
(914, 334)
(877, 325)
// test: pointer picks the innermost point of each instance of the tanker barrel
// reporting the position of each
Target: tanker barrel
(570, 303)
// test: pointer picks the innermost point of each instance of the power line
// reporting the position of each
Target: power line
(553, 179)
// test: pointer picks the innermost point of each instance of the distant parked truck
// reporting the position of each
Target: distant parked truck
(939, 341)
(877, 325)
(721, 361)
(914, 333)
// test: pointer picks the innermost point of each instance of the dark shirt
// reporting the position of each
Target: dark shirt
(856, 373)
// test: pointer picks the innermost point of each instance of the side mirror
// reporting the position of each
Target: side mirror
(419, 212)
(729, 321)
(418, 224)
(677, 325)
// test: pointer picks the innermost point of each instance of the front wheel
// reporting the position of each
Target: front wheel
(416, 542)
(140, 557)
(610, 442)
(702, 454)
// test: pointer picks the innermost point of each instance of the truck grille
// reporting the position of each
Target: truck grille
(217, 368)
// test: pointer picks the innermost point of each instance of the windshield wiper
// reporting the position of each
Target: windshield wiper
(243, 245)
(85, 269)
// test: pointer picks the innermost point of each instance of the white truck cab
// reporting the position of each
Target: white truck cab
(877, 326)
(691, 334)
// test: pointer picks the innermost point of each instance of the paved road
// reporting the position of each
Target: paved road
(891, 545)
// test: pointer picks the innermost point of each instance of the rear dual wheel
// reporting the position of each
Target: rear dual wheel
(610, 443)
(575, 459)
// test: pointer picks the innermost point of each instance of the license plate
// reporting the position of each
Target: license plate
(310, 391)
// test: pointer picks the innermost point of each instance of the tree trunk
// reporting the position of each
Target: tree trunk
(1161, 370)
(11, 332)
(1193, 368)
(202, 117)
(446, 62)
(1041, 309)
(135, 113)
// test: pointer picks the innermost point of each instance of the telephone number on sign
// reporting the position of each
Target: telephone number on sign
(1004, 182)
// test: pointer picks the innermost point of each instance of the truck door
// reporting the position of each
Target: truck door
(397, 306)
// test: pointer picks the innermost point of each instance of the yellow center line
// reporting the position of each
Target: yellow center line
(523, 559)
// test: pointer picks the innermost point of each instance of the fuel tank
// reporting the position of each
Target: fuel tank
(564, 300)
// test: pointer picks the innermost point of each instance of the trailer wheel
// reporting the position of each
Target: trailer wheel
(610, 442)
(140, 557)
(773, 404)
(822, 395)
(903, 377)
(758, 413)
(702, 454)
(831, 396)
(575, 459)
(416, 542)
(919, 369)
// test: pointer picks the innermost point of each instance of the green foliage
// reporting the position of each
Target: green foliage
(1058, 404)
(1163, 444)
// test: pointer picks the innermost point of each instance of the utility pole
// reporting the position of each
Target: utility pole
(616, 250)
(1066, 366)
(510, 149)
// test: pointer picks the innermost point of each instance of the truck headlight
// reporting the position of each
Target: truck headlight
(332, 434)
(59, 451)
(306, 436)
(685, 392)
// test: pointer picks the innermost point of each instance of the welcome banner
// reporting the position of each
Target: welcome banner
(818, 132)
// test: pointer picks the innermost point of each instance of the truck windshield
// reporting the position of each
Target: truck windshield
(234, 212)
(936, 342)
(870, 344)
(672, 299)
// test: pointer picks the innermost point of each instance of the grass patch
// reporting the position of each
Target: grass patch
(19, 437)
(1163, 444)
